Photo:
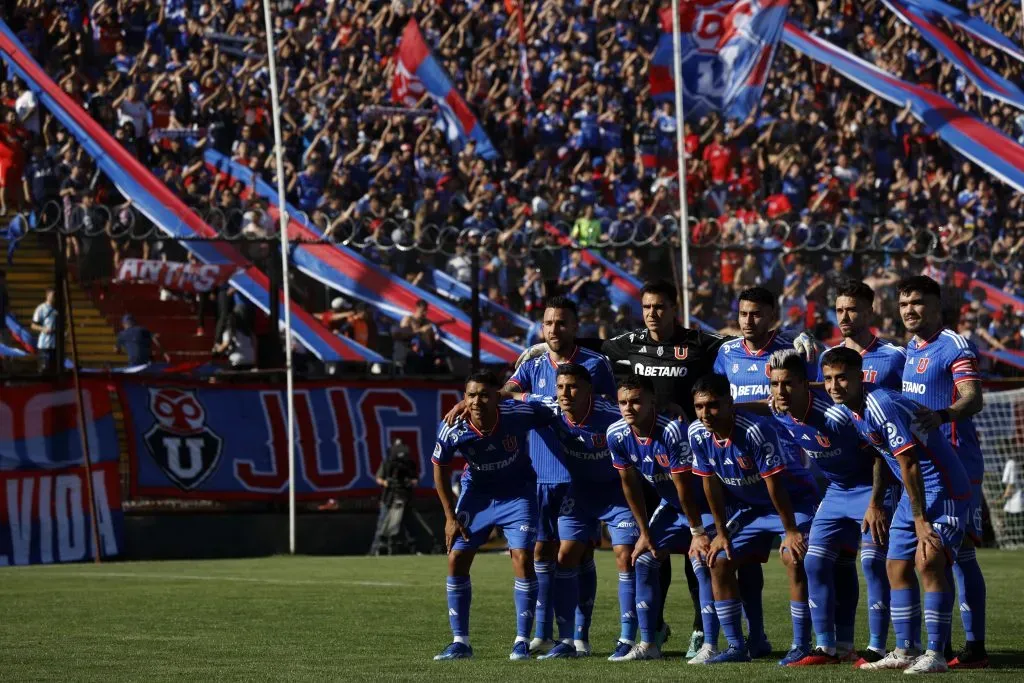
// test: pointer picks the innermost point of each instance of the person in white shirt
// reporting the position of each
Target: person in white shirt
(1013, 507)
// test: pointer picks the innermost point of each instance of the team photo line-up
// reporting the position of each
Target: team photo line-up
(713, 447)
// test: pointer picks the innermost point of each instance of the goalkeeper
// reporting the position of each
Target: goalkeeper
(673, 357)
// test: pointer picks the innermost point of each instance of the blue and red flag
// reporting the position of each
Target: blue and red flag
(727, 52)
(973, 26)
(1000, 155)
(416, 73)
(990, 83)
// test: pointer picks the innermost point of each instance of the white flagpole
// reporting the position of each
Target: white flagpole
(684, 218)
(286, 288)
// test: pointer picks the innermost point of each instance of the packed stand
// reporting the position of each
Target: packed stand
(821, 168)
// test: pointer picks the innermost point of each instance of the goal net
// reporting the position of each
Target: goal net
(1001, 432)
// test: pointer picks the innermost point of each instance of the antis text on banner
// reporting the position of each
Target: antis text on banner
(196, 440)
(44, 504)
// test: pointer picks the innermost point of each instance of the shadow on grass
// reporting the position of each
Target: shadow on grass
(1006, 660)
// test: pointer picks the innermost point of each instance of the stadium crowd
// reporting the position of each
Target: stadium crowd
(588, 151)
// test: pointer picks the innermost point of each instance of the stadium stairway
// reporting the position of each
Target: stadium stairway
(28, 277)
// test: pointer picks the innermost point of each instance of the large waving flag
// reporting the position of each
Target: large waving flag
(348, 271)
(416, 72)
(998, 154)
(990, 83)
(973, 26)
(163, 207)
(727, 51)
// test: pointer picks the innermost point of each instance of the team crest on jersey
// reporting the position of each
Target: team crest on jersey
(661, 351)
(510, 442)
(822, 440)
(662, 459)
(542, 383)
(599, 440)
(681, 352)
(735, 367)
(922, 365)
(744, 462)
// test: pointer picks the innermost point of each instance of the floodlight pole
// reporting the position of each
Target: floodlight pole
(684, 218)
(282, 215)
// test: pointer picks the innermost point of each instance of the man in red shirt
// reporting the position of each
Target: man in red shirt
(718, 157)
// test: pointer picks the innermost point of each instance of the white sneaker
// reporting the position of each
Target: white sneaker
(582, 648)
(930, 662)
(539, 645)
(642, 652)
(893, 660)
(706, 652)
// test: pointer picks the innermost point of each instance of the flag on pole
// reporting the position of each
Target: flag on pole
(525, 79)
(990, 83)
(727, 51)
(416, 73)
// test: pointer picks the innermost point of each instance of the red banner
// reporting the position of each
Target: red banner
(180, 277)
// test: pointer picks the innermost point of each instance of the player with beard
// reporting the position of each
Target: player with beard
(673, 357)
(883, 360)
(942, 364)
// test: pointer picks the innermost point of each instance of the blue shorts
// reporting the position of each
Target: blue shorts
(752, 531)
(480, 513)
(838, 519)
(585, 507)
(670, 529)
(550, 500)
(948, 518)
(974, 514)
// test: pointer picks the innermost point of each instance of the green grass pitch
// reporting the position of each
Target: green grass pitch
(321, 619)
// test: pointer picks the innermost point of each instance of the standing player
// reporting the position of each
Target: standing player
(929, 522)
(538, 376)
(941, 364)
(749, 464)
(498, 490)
(745, 362)
(645, 444)
(883, 360)
(594, 496)
(857, 506)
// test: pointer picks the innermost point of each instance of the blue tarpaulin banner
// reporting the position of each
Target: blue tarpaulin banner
(196, 440)
(44, 504)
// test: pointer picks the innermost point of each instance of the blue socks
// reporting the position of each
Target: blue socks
(460, 594)
(847, 594)
(970, 585)
(906, 617)
(708, 616)
(545, 613)
(648, 595)
(627, 606)
(730, 613)
(938, 615)
(587, 594)
(819, 564)
(801, 614)
(872, 559)
(751, 580)
(525, 599)
(566, 589)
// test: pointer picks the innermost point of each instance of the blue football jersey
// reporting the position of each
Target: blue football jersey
(584, 444)
(757, 449)
(656, 457)
(930, 376)
(883, 363)
(888, 425)
(498, 461)
(748, 370)
(829, 437)
(537, 376)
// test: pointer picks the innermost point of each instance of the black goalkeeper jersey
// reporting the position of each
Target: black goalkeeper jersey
(673, 366)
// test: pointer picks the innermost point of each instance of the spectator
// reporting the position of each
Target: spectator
(236, 344)
(1013, 505)
(45, 323)
(137, 342)
(587, 229)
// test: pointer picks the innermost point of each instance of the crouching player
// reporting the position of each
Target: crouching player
(749, 464)
(499, 489)
(858, 505)
(929, 522)
(594, 496)
(653, 446)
